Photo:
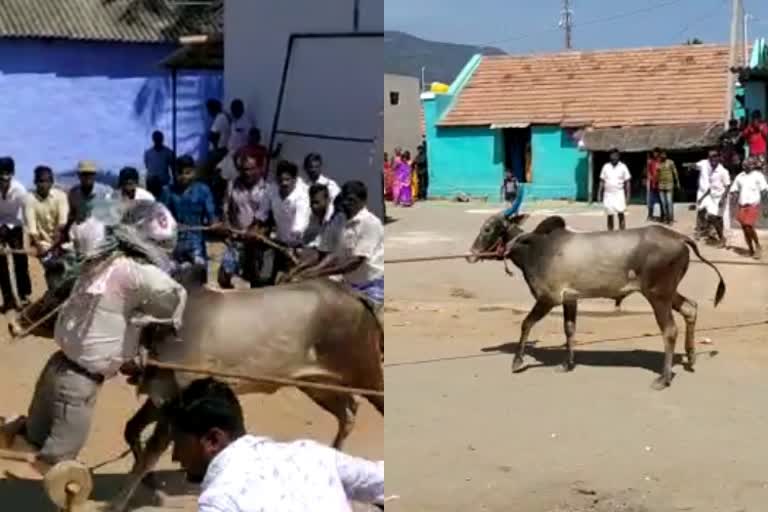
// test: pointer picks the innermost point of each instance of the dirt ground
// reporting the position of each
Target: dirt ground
(463, 433)
(287, 415)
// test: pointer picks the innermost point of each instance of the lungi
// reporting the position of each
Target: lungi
(614, 202)
(373, 290)
(748, 214)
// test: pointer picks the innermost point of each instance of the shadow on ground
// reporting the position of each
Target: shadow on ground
(650, 360)
(29, 495)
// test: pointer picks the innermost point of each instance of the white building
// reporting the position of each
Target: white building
(309, 72)
(332, 87)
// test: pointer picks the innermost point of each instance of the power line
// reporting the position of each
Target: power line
(614, 17)
(720, 4)
(596, 21)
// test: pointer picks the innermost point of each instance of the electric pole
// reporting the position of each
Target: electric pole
(566, 22)
(736, 19)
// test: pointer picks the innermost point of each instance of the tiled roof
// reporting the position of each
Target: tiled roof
(649, 86)
(136, 21)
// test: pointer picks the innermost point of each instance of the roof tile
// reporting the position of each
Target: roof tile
(104, 20)
(648, 86)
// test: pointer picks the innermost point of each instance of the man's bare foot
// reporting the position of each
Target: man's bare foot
(34, 469)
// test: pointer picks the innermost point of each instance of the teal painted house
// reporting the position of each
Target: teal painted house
(551, 118)
(753, 79)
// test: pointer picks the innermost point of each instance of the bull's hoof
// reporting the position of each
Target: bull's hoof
(661, 383)
(517, 364)
(567, 366)
(14, 329)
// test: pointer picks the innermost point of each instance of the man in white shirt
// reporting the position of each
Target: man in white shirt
(313, 167)
(239, 127)
(288, 201)
(751, 187)
(244, 473)
(322, 212)
(714, 182)
(357, 252)
(614, 189)
(12, 200)
(130, 191)
(218, 138)
(97, 331)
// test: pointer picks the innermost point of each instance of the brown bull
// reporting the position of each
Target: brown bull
(561, 266)
(315, 330)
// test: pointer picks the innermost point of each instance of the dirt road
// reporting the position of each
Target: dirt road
(286, 415)
(463, 433)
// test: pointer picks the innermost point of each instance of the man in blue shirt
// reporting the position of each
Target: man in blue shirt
(158, 161)
(191, 203)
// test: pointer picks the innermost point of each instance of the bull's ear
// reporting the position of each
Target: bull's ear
(518, 218)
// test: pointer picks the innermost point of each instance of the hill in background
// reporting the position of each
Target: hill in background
(405, 54)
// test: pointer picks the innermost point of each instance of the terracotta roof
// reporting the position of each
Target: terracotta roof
(645, 138)
(649, 86)
(105, 20)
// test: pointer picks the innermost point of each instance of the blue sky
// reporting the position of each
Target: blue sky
(523, 26)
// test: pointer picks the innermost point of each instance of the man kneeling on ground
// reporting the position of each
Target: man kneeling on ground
(241, 472)
(122, 286)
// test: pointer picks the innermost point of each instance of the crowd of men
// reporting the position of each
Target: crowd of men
(724, 173)
(277, 224)
(306, 224)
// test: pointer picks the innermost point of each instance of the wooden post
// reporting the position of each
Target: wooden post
(590, 177)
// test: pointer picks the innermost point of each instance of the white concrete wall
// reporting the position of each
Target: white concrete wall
(401, 121)
(255, 47)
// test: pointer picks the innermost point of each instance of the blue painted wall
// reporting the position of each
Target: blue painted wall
(62, 101)
(471, 159)
(560, 170)
(755, 97)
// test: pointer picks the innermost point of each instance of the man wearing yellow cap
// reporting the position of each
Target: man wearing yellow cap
(82, 196)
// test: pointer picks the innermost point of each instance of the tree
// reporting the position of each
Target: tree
(695, 40)
(187, 18)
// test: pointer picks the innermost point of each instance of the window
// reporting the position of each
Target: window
(394, 98)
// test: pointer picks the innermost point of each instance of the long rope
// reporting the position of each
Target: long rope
(485, 255)
(264, 378)
(264, 239)
(499, 353)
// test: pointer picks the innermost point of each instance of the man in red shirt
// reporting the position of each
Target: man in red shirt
(652, 182)
(756, 135)
(256, 150)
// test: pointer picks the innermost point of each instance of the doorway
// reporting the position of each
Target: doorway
(517, 152)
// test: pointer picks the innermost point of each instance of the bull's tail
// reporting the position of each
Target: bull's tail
(720, 293)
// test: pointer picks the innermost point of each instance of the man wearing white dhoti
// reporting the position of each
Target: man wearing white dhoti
(711, 200)
(614, 189)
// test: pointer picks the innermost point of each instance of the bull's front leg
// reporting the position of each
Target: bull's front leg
(146, 414)
(539, 311)
(569, 325)
(147, 460)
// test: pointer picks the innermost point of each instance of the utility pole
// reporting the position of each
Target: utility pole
(735, 22)
(747, 17)
(566, 23)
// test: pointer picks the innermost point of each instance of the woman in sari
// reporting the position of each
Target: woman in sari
(388, 179)
(414, 177)
(402, 188)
